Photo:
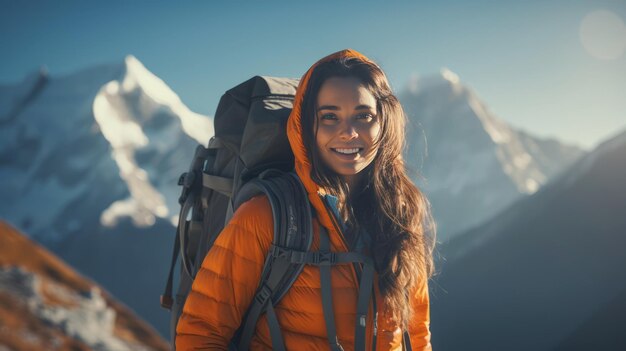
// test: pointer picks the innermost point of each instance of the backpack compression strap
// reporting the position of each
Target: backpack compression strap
(190, 182)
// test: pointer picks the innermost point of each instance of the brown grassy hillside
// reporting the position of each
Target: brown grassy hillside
(23, 329)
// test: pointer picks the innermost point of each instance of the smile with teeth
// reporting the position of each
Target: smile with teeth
(346, 151)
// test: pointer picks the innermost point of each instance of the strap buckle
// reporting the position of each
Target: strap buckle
(277, 251)
(263, 295)
(324, 258)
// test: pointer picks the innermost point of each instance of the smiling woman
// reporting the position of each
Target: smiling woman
(348, 103)
(346, 131)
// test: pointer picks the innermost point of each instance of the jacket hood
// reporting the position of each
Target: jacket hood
(294, 133)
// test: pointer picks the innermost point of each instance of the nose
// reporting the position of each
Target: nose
(348, 132)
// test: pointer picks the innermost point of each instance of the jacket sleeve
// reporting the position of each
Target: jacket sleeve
(227, 279)
(419, 326)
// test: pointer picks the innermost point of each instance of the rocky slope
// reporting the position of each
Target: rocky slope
(46, 305)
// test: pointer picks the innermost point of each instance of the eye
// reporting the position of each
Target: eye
(328, 117)
(367, 117)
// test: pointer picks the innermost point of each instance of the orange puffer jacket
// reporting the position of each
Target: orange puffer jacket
(230, 274)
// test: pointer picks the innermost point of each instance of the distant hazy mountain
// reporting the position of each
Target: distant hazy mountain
(475, 164)
(90, 163)
(46, 305)
(546, 273)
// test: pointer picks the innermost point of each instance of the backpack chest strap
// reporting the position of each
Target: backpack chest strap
(281, 259)
(324, 257)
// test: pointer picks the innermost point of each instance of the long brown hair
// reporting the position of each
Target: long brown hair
(402, 231)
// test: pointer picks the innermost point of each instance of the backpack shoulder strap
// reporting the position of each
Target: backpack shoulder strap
(288, 254)
(292, 230)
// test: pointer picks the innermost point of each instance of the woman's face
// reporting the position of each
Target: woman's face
(347, 126)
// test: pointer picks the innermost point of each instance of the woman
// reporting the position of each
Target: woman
(346, 131)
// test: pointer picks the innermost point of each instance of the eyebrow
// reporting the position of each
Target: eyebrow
(335, 108)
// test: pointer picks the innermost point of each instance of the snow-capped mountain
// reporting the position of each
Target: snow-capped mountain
(472, 164)
(90, 163)
(108, 142)
(547, 273)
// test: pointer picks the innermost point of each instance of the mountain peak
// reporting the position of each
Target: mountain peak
(137, 76)
(449, 76)
(131, 59)
(446, 79)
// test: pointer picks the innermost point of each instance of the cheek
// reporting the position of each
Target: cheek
(373, 132)
(323, 136)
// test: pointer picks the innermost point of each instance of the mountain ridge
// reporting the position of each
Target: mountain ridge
(549, 262)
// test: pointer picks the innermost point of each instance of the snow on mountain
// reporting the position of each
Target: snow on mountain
(114, 109)
(474, 164)
(71, 139)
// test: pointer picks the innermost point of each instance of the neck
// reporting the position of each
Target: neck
(354, 185)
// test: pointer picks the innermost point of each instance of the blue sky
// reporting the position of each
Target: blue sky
(525, 59)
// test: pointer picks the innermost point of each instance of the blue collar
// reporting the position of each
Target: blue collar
(363, 239)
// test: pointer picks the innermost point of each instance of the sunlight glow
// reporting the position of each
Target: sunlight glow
(603, 35)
